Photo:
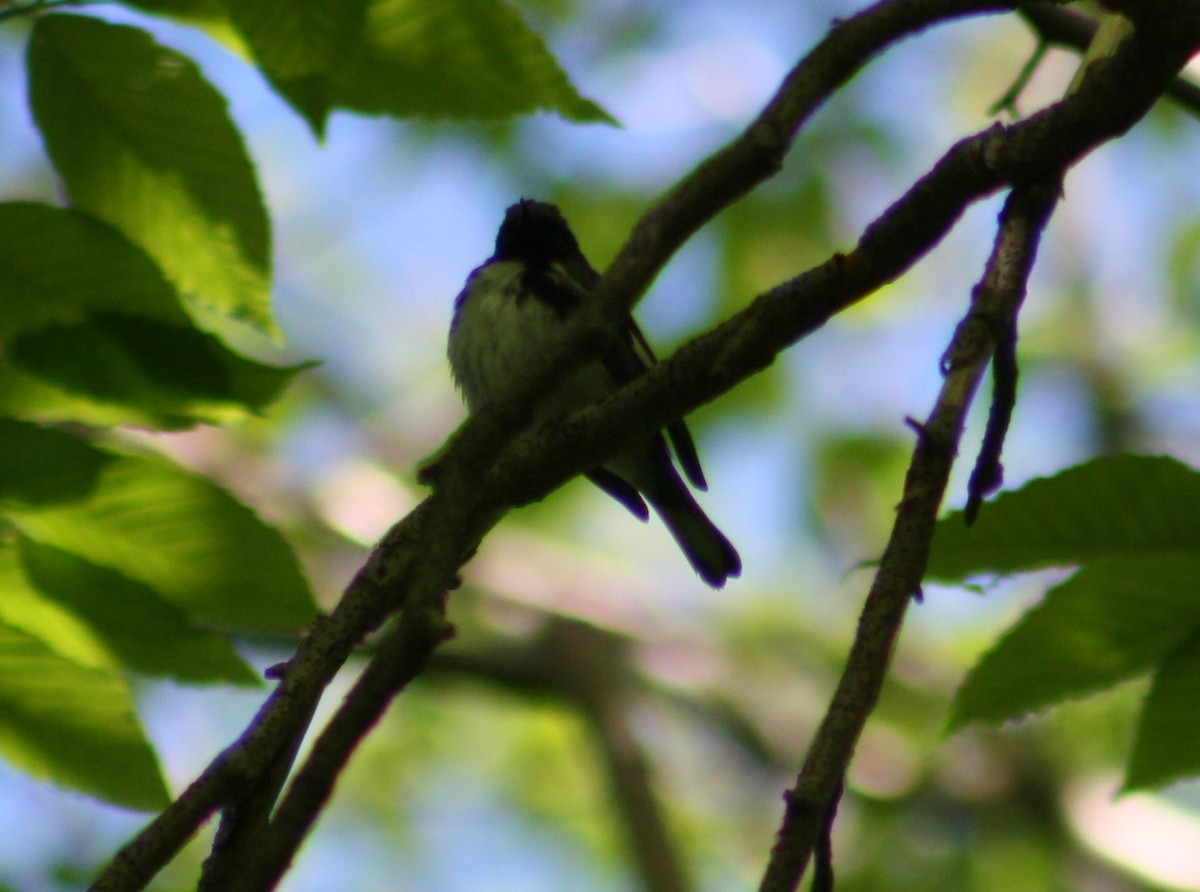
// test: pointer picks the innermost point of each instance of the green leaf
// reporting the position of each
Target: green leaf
(1165, 747)
(171, 376)
(1109, 622)
(302, 46)
(28, 396)
(100, 619)
(186, 9)
(93, 319)
(1133, 505)
(60, 266)
(73, 725)
(1133, 607)
(143, 142)
(23, 395)
(457, 58)
(41, 467)
(174, 532)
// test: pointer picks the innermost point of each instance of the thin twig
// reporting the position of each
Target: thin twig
(823, 868)
(903, 564)
(1008, 102)
(988, 473)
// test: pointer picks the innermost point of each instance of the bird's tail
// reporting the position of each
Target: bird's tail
(706, 548)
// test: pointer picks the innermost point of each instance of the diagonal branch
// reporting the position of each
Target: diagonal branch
(751, 158)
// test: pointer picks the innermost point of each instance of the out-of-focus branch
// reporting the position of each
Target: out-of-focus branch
(593, 669)
(997, 297)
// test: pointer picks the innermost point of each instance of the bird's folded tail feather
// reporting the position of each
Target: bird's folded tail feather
(711, 555)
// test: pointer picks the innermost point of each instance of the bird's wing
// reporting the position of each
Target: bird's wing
(624, 492)
(630, 356)
(634, 357)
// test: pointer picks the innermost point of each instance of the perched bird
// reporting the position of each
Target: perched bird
(513, 309)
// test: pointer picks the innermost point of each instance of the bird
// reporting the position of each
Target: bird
(513, 309)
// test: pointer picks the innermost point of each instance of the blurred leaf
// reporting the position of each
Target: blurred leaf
(182, 536)
(856, 478)
(98, 618)
(1109, 622)
(23, 395)
(1182, 267)
(40, 467)
(301, 46)
(1165, 747)
(772, 239)
(1121, 506)
(466, 58)
(74, 726)
(145, 143)
(178, 8)
(172, 376)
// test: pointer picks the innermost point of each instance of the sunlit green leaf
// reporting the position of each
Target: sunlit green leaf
(173, 376)
(101, 619)
(60, 266)
(302, 46)
(23, 395)
(463, 58)
(73, 725)
(143, 142)
(94, 333)
(178, 534)
(1135, 506)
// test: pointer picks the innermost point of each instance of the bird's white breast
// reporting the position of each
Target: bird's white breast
(497, 336)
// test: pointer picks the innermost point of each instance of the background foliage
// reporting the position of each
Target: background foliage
(208, 185)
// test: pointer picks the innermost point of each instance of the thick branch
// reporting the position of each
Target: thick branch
(386, 578)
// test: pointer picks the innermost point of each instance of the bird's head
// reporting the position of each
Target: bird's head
(535, 232)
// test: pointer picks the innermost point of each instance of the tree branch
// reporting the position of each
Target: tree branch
(401, 655)
(902, 567)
